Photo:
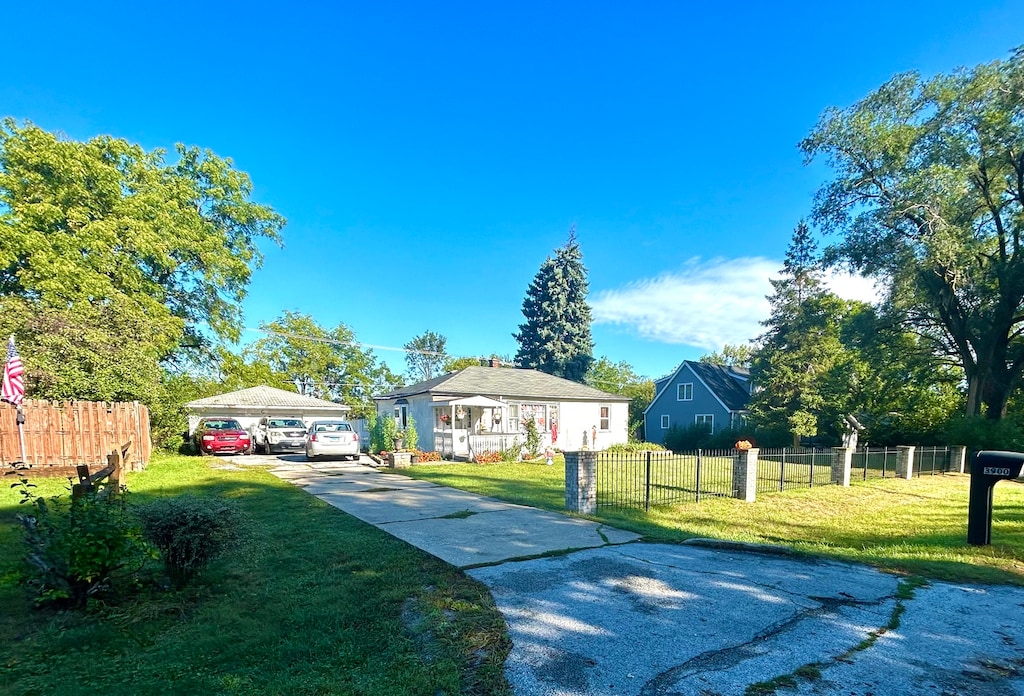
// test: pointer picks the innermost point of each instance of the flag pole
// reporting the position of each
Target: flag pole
(20, 418)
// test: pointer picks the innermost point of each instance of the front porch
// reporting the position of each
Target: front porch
(464, 428)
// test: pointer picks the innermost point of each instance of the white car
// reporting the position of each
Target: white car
(332, 438)
(279, 435)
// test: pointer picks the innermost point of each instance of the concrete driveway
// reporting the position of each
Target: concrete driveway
(608, 614)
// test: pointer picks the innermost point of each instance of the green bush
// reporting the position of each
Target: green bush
(81, 548)
(189, 531)
(979, 433)
(410, 438)
(631, 447)
(532, 438)
(382, 434)
(513, 453)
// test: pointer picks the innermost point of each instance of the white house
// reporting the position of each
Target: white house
(249, 405)
(480, 409)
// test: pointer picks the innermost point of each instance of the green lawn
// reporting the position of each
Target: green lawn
(313, 602)
(917, 526)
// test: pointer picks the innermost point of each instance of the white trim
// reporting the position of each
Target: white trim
(707, 416)
(664, 388)
(664, 421)
(684, 384)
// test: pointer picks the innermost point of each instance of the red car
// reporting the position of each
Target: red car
(221, 436)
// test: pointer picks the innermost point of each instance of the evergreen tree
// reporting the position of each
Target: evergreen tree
(556, 336)
(800, 347)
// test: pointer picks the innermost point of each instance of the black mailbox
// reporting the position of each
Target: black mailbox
(987, 469)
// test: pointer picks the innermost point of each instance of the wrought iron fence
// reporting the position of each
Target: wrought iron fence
(655, 478)
(932, 460)
(873, 462)
(783, 469)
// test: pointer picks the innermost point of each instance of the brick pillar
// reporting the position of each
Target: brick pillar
(744, 475)
(842, 462)
(957, 458)
(905, 462)
(581, 482)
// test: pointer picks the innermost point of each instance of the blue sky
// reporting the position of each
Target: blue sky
(429, 156)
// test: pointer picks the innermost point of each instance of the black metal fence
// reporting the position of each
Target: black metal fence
(873, 462)
(652, 478)
(655, 478)
(933, 460)
(783, 469)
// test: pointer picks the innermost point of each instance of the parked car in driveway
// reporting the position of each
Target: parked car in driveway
(279, 435)
(332, 438)
(221, 436)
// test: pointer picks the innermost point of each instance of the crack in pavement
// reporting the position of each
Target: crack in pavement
(725, 658)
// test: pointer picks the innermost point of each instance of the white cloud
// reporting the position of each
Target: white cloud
(852, 287)
(706, 304)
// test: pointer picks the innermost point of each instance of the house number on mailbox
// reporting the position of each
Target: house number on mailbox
(996, 471)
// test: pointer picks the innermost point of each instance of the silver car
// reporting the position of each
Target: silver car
(332, 438)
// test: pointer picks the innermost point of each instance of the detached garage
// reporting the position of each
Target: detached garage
(249, 405)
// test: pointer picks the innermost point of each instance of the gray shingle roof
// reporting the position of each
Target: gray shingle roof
(505, 381)
(266, 396)
(724, 383)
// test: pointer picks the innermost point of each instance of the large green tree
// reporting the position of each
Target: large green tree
(620, 378)
(556, 336)
(426, 356)
(327, 364)
(800, 346)
(928, 198)
(114, 260)
(730, 355)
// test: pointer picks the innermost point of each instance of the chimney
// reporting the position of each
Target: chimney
(494, 362)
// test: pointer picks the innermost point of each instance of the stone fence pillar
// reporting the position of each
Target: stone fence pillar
(744, 475)
(842, 462)
(905, 462)
(958, 458)
(581, 482)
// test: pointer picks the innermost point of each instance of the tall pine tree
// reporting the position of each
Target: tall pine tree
(800, 347)
(556, 336)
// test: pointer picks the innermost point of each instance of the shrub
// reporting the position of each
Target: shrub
(411, 438)
(80, 548)
(189, 531)
(532, 438)
(630, 447)
(979, 433)
(512, 453)
(382, 434)
(427, 456)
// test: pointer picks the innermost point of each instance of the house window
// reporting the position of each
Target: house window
(535, 412)
(664, 422)
(605, 413)
(401, 416)
(684, 392)
(513, 418)
(707, 421)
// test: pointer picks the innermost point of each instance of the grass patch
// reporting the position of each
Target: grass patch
(460, 515)
(312, 602)
(916, 527)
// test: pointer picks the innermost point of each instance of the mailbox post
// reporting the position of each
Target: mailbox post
(988, 468)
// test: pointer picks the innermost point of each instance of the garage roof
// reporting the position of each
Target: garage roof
(265, 396)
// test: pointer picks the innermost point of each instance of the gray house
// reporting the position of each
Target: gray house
(714, 396)
(485, 409)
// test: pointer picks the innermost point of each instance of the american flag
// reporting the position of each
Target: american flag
(13, 390)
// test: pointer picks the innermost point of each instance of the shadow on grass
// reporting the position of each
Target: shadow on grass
(312, 601)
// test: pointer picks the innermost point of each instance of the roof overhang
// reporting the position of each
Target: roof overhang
(478, 400)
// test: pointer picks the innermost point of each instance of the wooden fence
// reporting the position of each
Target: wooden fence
(59, 436)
